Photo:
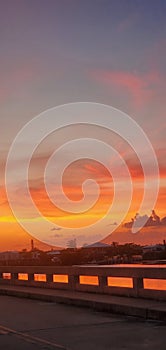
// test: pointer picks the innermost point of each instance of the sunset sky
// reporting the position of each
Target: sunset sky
(58, 51)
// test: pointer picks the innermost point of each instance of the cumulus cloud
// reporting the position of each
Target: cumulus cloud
(153, 220)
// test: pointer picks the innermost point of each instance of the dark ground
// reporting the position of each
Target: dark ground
(27, 324)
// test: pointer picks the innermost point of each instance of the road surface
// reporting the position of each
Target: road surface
(34, 325)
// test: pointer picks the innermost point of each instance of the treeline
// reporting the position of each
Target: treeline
(114, 253)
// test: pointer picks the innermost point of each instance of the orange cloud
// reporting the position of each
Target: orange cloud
(74, 176)
(72, 187)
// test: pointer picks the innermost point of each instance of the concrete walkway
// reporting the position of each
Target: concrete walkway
(146, 309)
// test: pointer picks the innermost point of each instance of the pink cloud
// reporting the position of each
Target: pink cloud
(140, 88)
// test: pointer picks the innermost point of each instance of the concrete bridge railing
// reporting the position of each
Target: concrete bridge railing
(144, 282)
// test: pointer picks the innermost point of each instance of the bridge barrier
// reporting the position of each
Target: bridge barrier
(143, 282)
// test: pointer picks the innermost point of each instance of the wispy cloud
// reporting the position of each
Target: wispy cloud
(140, 87)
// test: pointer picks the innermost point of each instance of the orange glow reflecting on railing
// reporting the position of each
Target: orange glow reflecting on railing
(39, 277)
(91, 280)
(156, 284)
(61, 278)
(120, 282)
(23, 276)
(6, 275)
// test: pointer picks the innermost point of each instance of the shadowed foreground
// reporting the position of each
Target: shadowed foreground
(32, 324)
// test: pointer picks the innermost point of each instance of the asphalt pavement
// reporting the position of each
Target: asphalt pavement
(32, 324)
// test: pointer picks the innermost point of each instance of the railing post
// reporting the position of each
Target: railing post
(14, 276)
(30, 277)
(102, 283)
(73, 281)
(49, 278)
(138, 284)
